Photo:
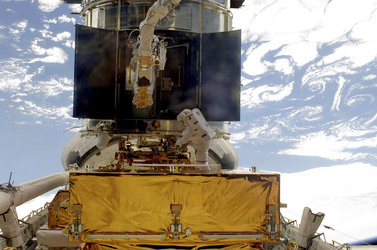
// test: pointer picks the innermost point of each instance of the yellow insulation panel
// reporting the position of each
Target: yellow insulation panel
(139, 204)
(58, 211)
(96, 246)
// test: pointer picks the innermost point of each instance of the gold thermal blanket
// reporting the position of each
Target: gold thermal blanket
(58, 214)
(122, 204)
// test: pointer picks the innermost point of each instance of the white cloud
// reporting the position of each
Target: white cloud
(76, 8)
(254, 132)
(318, 75)
(335, 140)
(266, 18)
(307, 113)
(52, 55)
(52, 20)
(237, 137)
(369, 77)
(245, 81)
(65, 19)
(298, 28)
(254, 63)
(10, 10)
(16, 100)
(373, 119)
(13, 73)
(36, 49)
(53, 87)
(345, 193)
(28, 96)
(278, 127)
(263, 132)
(330, 146)
(46, 112)
(16, 79)
(353, 100)
(255, 96)
(22, 25)
(278, 24)
(355, 54)
(18, 94)
(361, 31)
(69, 44)
(339, 17)
(283, 65)
(21, 123)
(348, 130)
(16, 29)
(61, 36)
(337, 97)
(46, 33)
(301, 52)
(48, 5)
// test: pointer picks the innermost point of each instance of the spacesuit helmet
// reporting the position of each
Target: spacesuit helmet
(181, 118)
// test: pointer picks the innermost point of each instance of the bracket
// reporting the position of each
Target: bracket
(176, 226)
(76, 227)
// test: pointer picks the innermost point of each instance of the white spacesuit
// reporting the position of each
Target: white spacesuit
(197, 132)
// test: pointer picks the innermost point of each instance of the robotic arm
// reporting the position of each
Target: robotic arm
(150, 52)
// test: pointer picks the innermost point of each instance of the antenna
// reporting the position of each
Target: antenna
(10, 178)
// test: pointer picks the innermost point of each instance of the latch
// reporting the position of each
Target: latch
(176, 226)
(272, 226)
(76, 227)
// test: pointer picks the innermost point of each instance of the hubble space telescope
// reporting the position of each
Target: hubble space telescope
(156, 84)
(136, 70)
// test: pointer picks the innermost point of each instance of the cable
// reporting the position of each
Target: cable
(129, 36)
(331, 228)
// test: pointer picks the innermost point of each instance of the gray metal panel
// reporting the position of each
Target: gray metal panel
(220, 76)
(72, 1)
(195, 16)
(94, 93)
(236, 3)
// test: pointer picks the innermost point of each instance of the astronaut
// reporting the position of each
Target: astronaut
(197, 132)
